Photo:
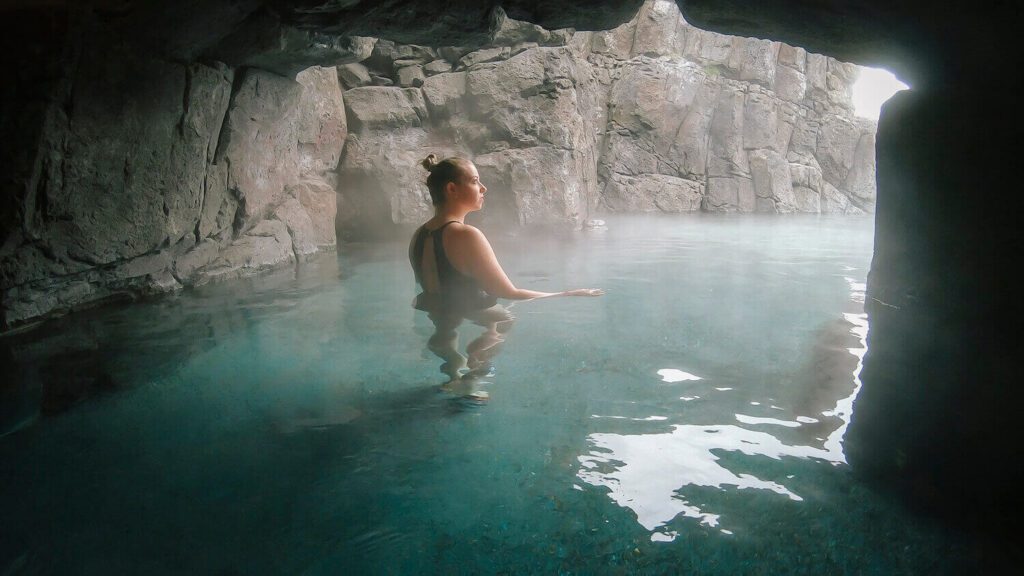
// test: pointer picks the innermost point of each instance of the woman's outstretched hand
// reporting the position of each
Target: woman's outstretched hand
(584, 292)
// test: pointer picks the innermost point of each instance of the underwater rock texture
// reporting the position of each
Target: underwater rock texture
(653, 115)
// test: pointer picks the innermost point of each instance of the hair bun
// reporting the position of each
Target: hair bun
(430, 162)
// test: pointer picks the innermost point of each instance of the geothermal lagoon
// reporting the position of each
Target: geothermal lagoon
(689, 421)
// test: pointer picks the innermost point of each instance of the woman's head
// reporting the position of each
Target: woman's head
(450, 170)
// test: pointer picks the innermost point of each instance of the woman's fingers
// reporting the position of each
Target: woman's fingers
(588, 292)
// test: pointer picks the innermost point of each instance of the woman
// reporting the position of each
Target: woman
(458, 271)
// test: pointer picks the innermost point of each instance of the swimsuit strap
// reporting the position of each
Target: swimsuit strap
(445, 269)
(444, 265)
(443, 226)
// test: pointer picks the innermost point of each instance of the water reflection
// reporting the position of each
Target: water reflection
(465, 372)
(649, 473)
(91, 354)
(47, 373)
(644, 472)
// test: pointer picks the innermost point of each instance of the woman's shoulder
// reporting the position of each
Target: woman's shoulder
(465, 238)
(465, 230)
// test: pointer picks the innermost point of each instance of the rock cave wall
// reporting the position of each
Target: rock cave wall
(937, 414)
(148, 174)
(653, 115)
(129, 172)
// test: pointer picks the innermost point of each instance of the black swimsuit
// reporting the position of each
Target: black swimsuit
(458, 291)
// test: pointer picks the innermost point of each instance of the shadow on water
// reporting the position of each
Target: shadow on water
(49, 373)
(91, 354)
(391, 412)
(828, 378)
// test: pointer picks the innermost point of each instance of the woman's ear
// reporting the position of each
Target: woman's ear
(449, 190)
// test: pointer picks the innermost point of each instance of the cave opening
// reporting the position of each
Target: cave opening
(874, 86)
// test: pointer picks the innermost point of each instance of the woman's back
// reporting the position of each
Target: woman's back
(442, 284)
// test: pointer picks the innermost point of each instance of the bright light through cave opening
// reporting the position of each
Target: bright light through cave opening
(873, 87)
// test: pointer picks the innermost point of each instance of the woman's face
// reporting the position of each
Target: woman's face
(469, 191)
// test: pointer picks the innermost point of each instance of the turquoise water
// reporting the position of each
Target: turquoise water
(689, 421)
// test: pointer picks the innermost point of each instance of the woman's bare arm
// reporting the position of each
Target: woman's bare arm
(471, 254)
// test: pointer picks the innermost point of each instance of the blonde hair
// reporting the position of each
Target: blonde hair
(441, 173)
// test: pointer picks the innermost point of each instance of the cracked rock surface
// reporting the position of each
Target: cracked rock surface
(141, 164)
(653, 115)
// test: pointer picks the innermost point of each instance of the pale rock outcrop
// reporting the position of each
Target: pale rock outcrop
(757, 61)
(790, 84)
(390, 56)
(546, 79)
(773, 182)
(817, 71)
(381, 180)
(266, 245)
(439, 66)
(539, 168)
(159, 174)
(444, 94)
(411, 76)
(727, 156)
(299, 226)
(658, 118)
(322, 124)
(280, 142)
(657, 32)
(319, 200)
(653, 193)
(375, 107)
(793, 57)
(860, 179)
(542, 183)
(836, 145)
(186, 267)
(729, 194)
(654, 115)
(831, 200)
(755, 111)
(310, 205)
(760, 121)
(260, 143)
(354, 75)
(482, 56)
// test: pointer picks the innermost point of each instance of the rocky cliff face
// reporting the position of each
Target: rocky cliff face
(139, 173)
(147, 175)
(654, 115)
